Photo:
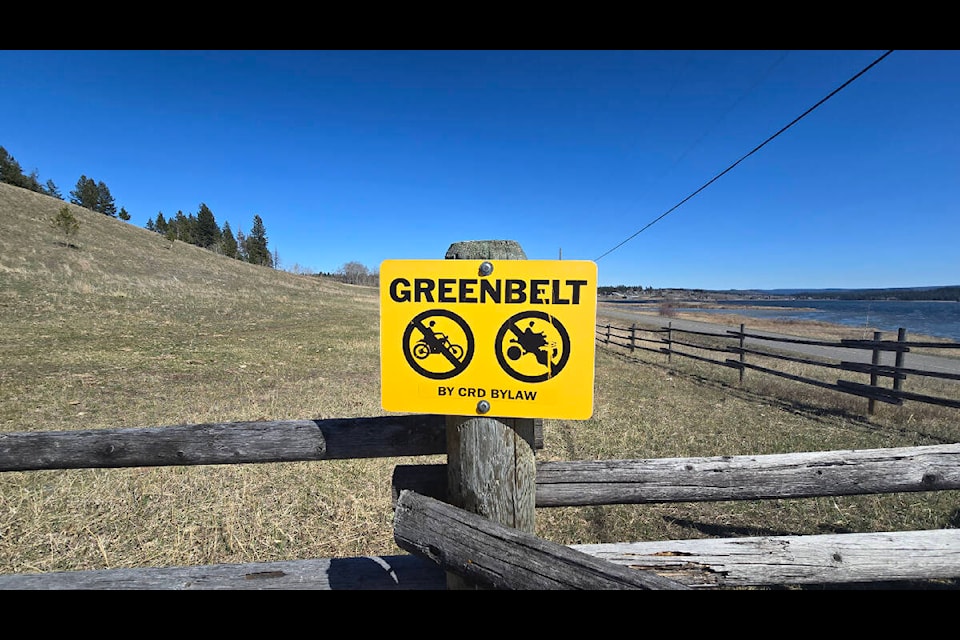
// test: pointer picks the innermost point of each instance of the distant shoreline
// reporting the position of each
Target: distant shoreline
(935, 318)
(914, 294)
(680, 305)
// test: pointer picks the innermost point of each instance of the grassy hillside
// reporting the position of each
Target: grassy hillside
(129, 330)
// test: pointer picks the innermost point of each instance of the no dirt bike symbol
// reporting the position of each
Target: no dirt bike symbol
(438, 344)
(532, 346)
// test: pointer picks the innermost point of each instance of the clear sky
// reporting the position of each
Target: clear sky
(372, 155)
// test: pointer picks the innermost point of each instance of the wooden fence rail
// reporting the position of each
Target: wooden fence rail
(229, 443)
(751, 561)
(628, 338)
(723, 478)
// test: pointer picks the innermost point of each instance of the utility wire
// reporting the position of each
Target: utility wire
(755, 149)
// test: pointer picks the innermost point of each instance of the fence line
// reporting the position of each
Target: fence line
(763, 561)
(229, 443)
(873, 392)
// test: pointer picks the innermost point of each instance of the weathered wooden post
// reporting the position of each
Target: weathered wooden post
(491, 470)
(871, 403)
(633, 336)
(898, 362)
(743, 355)
(669, 341)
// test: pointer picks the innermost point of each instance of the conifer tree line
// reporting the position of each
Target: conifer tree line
(12, 173)
(88, 193)
(200, 229)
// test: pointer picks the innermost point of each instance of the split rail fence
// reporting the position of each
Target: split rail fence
(672, 341)
(468, 523)
(441, 539)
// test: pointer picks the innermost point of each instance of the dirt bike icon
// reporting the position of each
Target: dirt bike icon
(436, 343)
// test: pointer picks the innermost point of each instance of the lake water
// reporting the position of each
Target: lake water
(939, 319)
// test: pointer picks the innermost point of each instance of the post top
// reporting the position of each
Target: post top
(486, 250)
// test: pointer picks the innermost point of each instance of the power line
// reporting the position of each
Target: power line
(755, 149)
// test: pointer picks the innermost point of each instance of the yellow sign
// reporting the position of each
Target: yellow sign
(507, 338)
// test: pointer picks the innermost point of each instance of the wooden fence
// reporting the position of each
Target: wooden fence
(469, 523)
(441, 538)
(672, 341)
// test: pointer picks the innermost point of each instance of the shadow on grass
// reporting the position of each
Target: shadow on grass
(68, 245)
(717, 531)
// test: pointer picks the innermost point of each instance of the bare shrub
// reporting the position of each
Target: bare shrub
(667, 309)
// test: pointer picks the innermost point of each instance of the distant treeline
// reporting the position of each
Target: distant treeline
(636, 290)
(922, 293)
(200, 229)
(938, 293)
(12, 173)
(88, 193)
(624, 288)
(353, 273)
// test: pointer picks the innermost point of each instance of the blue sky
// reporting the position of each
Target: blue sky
(372, 155)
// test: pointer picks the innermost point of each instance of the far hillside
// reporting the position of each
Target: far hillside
(109, 259)
(130, 310)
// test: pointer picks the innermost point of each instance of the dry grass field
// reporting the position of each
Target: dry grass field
(129, 330)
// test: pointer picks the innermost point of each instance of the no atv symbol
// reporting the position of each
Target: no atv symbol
(532, 346)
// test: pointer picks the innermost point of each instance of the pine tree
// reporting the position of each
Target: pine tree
(256, 244)
(10, 170)
(161, 225)
(242, 246)
(192, 229)
(208, 233)
(52, 190)
(123, 214)
(85, 194)
(184, 227)
(228, 244)
(32, 182)
(66, 222)
(105, 203)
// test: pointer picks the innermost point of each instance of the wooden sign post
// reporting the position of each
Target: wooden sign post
(491, 469)
(496, 343)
